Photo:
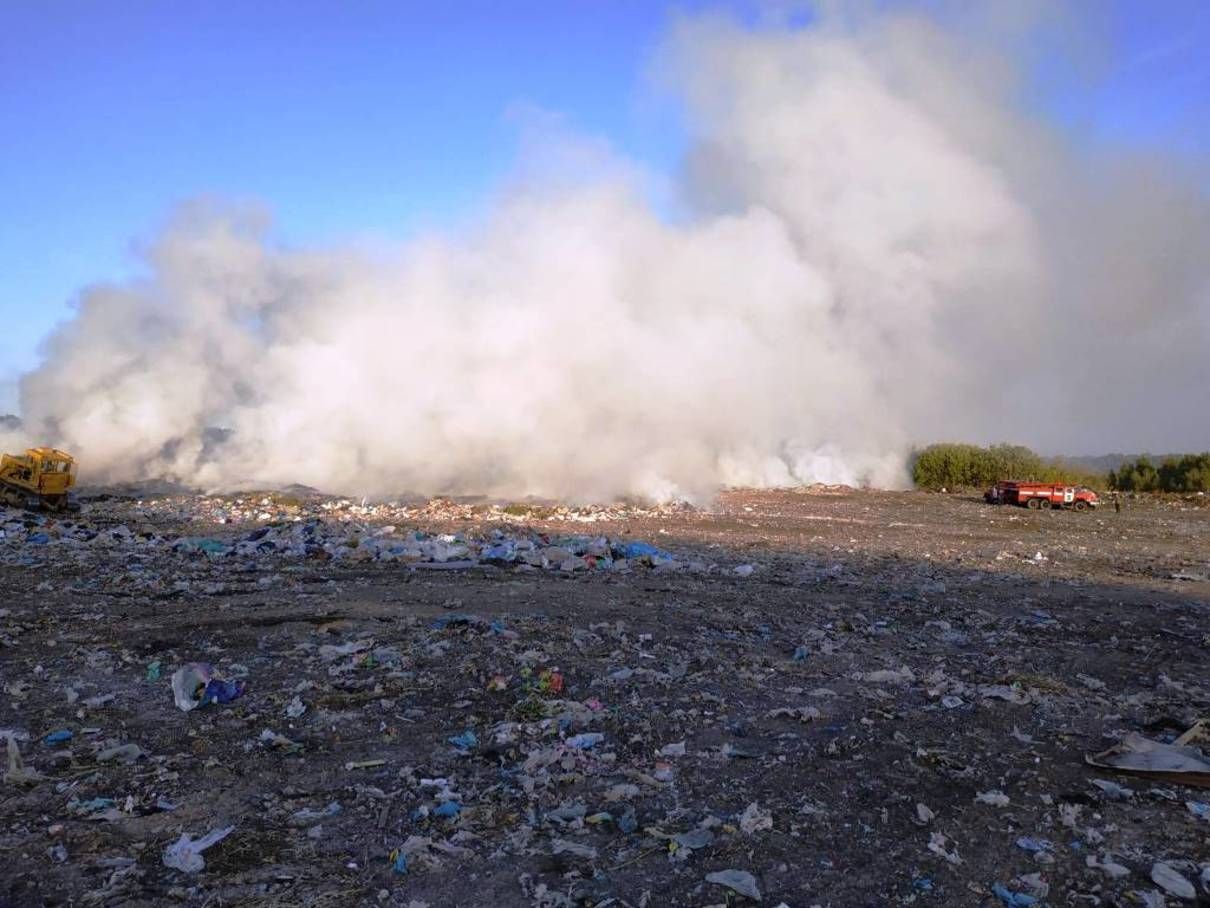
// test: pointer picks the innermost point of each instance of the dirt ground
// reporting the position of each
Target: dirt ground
(825, 722)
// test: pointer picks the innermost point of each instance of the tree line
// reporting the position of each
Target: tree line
(1183, 473)
(950, 466)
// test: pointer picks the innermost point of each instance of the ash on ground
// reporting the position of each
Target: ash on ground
(823, 698)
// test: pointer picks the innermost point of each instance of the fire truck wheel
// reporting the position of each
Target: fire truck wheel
(1033, 503)
(1044, 504)
(1080, 505)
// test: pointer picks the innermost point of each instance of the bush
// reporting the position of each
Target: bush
(1183, 473)
(963, 466)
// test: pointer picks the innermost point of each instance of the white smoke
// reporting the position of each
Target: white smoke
(880, 249)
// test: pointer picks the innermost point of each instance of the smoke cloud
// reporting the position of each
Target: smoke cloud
(878, 246)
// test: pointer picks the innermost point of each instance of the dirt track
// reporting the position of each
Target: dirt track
(888, 650)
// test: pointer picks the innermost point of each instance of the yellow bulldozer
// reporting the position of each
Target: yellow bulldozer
(39, 479)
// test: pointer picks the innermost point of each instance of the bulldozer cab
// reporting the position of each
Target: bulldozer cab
(55, 471)
(42, 476)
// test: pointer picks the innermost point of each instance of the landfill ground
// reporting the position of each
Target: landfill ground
(892, 707)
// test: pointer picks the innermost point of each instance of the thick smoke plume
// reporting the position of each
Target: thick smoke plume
(877, 247)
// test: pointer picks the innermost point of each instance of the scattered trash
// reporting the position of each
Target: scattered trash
(465, 741)
(994, 798)
(889, 676)
(738, 881)
(563, 846)
(604, 725)
(186, 853)
(307, 816)
(1172, 882)
(18, 773)
(1136, 755)
(1028, 843)
(121, 753)
(364, 764)
(939, 845)
(195, 685)
(1013, 899)
(585, 741)
(1113, 790)
(694, 839)
(755, 820)
(1107, 866)
(57, 737)
(278, 741)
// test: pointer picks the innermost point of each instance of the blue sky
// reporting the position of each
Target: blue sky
(374, 119)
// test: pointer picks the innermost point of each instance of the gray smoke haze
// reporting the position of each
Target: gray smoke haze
(879, 247)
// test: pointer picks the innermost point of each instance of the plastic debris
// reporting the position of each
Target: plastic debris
(18, 773)
(308, 816)
(1108, 866)
(278, 741)
(585, 741)
(195, 685)
(121, 753)
(364, 764)
(1028, 843)
(994, 798)
(576, 849)
(1113, 791)
(1136, 755)
(939, 845)
(58, 737)
(186, 854)
(465, 741)
(1171, 881)
(738, 881)
(694, 839)
(754, 820)
(1013, 899)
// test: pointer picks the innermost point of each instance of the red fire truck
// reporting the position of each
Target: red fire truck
(1041, 495)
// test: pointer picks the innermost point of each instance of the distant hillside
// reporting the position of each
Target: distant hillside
(9, 421)
(1103, 463)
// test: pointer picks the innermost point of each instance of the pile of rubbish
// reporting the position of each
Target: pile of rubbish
(306, 504)
(23, 537)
